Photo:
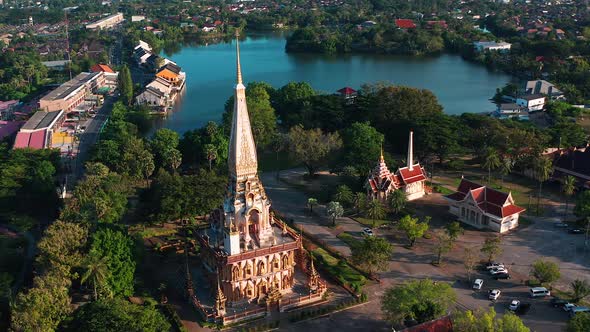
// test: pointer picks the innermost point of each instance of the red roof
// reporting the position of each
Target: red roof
(403, 23)
(346, 91)
(33, 140)
(443, 324)
(101, 68)
(410, 176)
(489, 200)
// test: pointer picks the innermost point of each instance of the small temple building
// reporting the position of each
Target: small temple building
(483, 207)
(411, 179)
(249, 256)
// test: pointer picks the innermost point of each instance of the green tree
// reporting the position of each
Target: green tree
(453, 230)
(413, 228)
(311, 202)
(194, 145)
(95, 272)
(545, 272)
(506, 167)
(125, 85)
(422, 300)
(211, 152)
(334, 210)
(343, 195)
(470, 260)
(374, 210)
(582, 208)
(443, 245)
(543, 168)
(117, 249)
(486, 320)
(62, 245)
(97, 169)
(491, 160)
(492, 247)
(44, 306)
(568, 188)
(397, 201)
(579, 323)
(361, 145)
(145, 163)
(311, 147)
(372, 254)
(163, 142)
(290, 98)
(359, 201)
(117, 315)
(580, 289)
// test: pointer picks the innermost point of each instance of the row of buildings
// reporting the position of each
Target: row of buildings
(168, 81)
(532, 99)
(106, 23)
(58, 120)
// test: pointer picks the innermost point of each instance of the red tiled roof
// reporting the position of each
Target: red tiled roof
(405, 23)
(101, 68)
(410, 176)
(443, 324)
(489, 200)
(347, 91)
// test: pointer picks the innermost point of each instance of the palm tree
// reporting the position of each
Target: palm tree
(543, 169)
(211, 152)
(311, 202)
(568, 187)
(96, 271)
(359, 200)
(505, 168)
(581, 289)
(491, 161)
(397, 201)
(334, 210)
(375, 210)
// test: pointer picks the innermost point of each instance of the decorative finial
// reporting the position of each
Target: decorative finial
(381, 156)
(239, 68)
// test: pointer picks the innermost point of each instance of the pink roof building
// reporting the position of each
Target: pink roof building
(36, 133)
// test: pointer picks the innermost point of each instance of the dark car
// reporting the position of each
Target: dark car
(575, 231)
(558, 303)
(501, 276)
(523, 309)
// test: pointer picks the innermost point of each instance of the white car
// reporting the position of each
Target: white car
(514, 305)
(568, 307)
(368, 232)
(494, 265)
(494, 294)
(477, 284)
(497, 270)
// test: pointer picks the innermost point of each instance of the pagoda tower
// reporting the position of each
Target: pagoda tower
(246, 209)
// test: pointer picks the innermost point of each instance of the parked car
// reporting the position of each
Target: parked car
(568, 307)
(368, 232)
(498, 276)
(576, 310)
(560, 225)
(494, 265)
(575, 231)
(523, 309)
(497, 270)
(494, 294)
(557, 302)
(539, 291)
(477, 284)
(514, 305)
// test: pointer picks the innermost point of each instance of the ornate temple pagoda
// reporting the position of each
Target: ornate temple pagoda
(411, 179)
(249, 255)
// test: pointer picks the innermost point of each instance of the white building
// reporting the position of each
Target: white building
(137, 18)
(106, 22)
(492, 46)
(483, 207)
(545, 88)
(534, 102)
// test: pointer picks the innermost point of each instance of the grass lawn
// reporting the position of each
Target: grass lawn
(348, 239)
(339, 269)
(369, 222)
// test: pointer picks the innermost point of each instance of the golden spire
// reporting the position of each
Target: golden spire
(381, 157)
(239, 67)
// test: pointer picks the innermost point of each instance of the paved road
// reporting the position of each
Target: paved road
(89, 137)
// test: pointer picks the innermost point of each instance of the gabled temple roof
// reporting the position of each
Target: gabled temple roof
(489, 200)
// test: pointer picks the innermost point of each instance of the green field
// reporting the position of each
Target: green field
(339, 269)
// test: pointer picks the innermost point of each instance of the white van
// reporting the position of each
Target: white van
(539, 291)
(477, 284)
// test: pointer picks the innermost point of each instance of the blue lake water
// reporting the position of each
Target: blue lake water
(460, 86)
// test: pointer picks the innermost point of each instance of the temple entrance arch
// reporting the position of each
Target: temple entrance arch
(253, 221)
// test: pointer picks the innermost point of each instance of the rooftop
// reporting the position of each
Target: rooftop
(42, 120)
(64, 90)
